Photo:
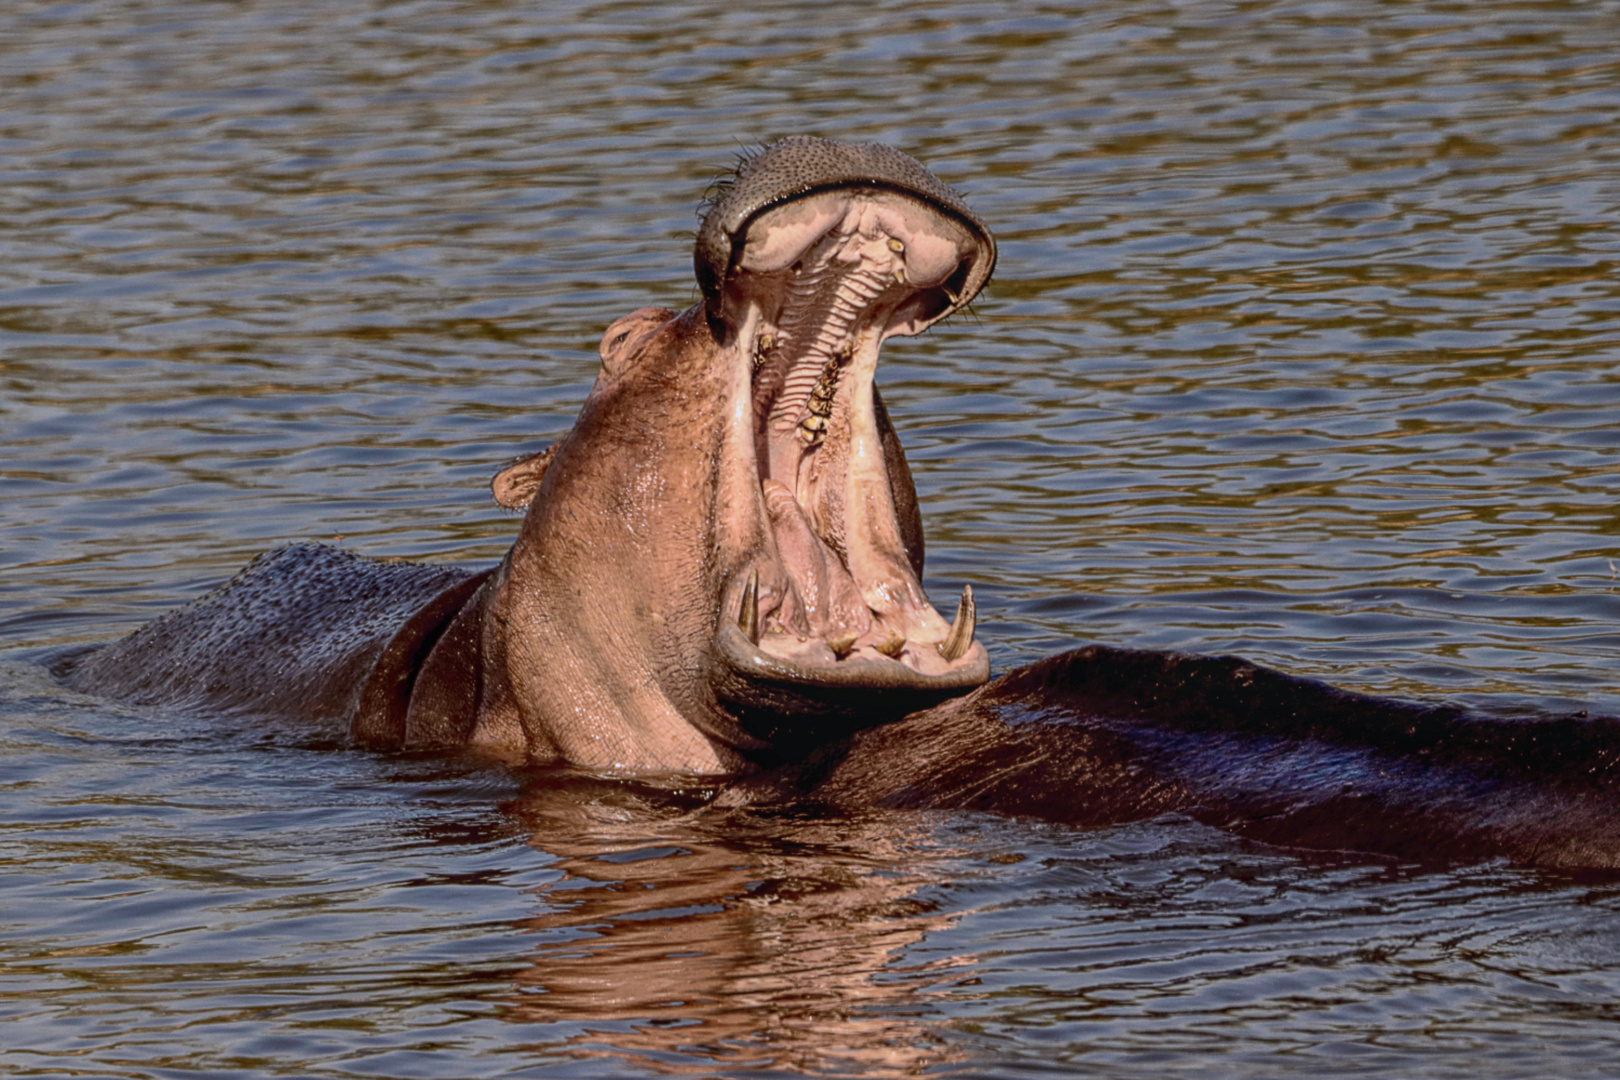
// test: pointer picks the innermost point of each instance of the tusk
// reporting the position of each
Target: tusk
(748, 617)
(961, 636)
(842, 645)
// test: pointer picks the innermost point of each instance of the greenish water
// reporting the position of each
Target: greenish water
(1304, 344)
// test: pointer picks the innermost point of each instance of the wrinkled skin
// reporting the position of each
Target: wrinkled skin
(719, 573)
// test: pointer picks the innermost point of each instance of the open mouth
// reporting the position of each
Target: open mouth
(810, 288)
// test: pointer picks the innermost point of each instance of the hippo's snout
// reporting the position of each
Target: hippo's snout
(799, 168)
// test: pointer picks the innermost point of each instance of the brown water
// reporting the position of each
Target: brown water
(1305, 344)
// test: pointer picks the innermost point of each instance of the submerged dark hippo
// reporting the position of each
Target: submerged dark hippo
(719, 569)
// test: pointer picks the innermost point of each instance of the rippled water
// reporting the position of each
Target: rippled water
(1305, 344)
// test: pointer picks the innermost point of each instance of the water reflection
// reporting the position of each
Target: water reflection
(726, 938)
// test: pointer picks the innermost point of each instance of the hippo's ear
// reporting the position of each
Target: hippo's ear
(515, 485)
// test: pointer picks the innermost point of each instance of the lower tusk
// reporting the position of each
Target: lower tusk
(842, 645)
(748, 617)
(961, 636)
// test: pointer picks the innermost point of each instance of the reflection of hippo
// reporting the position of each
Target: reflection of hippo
(719, 573)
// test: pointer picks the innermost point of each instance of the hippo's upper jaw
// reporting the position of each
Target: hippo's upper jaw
(810, 259)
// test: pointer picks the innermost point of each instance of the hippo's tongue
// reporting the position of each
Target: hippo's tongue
(823, 600)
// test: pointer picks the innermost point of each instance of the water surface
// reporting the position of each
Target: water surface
(1304, 344)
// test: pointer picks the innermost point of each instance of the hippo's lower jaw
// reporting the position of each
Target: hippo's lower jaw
(791, 707)
(829, 615)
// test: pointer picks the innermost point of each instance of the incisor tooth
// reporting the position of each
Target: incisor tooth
(891, 645)
(841, 645)
(961, 636)
(748, 617)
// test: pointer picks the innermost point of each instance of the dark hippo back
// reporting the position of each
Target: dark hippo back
(294, 634)
(1101, 736)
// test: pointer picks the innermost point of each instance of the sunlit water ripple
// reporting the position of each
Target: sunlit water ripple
(1304, 344)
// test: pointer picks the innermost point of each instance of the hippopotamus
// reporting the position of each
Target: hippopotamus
(718, 575)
